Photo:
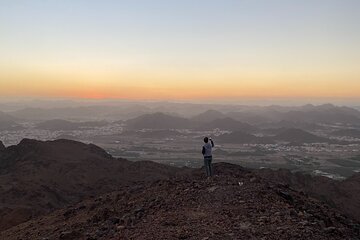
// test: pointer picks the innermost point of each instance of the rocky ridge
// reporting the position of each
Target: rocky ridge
(39, 177)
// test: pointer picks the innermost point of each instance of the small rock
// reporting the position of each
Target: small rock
(212, 189)
(140, 209)
(69, 235)
(120, 227)
(69, 213)
(293, 213)
(330, 229)
(245, 226)
(114, 220)
(285, 195)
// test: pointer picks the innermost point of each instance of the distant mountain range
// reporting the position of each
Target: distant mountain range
(227, 124)
(306, 117)
(326, 113)
(155, 134)
(83, 113)
(239, 137)
(163, 121)
(209, 116)
(254, 115)
(158, 121)
(59, 124)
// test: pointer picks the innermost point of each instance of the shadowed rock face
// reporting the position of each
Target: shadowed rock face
(2, 146)
(38, 177)
(235, 204)
(342, 195)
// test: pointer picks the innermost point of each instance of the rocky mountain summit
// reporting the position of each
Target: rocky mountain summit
(65, 189)
(236, 204)
(39, 177)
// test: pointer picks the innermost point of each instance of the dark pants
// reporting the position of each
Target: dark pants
(208, 166)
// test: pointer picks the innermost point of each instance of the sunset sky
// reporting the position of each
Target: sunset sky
(188, 49)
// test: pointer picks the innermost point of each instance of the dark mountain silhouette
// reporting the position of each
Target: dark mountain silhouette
(239, 137)
(294, 135)
(249, 117)
(133, 111)
(68, 137)
(355, 133)
(326, 113)
(2, 146)
(158, 121)
(59, 124)
(37, 177)
(228, 124)
(237, 204)
(209, 116)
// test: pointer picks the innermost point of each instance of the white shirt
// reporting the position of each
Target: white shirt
(208, 149)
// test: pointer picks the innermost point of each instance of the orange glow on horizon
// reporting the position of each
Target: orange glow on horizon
(163, 84)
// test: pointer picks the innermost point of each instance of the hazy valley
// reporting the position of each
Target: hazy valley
(321, 140)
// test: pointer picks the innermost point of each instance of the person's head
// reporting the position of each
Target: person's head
(206, 140)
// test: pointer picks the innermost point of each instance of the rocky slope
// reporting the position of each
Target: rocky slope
(236, 204)
(70, 190)
(38, 177)
(342, 195)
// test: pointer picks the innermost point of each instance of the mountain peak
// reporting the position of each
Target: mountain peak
(209, 115)
(28, 141)
(327, 106)
(299, 135)
(157, 120)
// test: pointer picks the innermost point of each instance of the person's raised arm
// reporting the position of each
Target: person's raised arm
(212, 142)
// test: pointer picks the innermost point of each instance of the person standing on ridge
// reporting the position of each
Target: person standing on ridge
(207, 153)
